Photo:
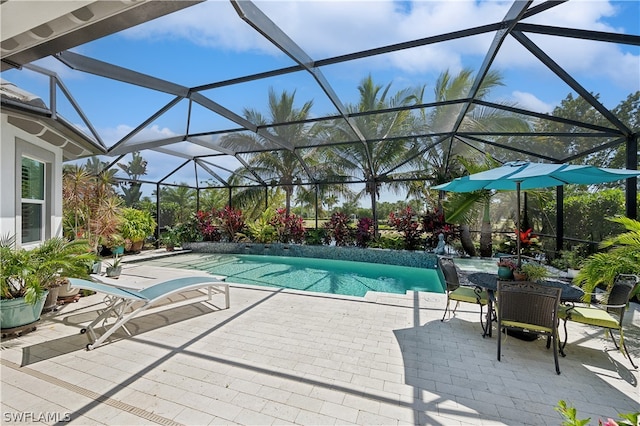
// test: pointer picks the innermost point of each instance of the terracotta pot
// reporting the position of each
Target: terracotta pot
(137, 245)
(519, 276)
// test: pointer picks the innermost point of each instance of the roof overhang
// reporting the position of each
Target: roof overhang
(57, 131)
(48, 27)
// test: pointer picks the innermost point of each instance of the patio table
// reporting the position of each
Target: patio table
(489, 282)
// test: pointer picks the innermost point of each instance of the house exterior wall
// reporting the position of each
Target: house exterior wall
(14, 143)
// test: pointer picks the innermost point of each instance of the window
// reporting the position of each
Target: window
(33, 200)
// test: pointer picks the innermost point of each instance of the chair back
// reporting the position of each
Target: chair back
(528, 303)
(450, 274)
(619, 295)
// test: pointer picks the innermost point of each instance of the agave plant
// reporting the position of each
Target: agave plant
(622, 256)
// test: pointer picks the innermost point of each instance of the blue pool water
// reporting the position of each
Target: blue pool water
(309, 274)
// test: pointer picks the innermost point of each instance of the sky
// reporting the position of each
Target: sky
(208, 43)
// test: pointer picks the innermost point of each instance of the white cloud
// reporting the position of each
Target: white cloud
(530, 102)
(330, 28)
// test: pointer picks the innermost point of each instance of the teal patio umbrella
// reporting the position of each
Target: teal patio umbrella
(523, 175)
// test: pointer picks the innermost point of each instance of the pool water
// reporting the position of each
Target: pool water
(310, 274)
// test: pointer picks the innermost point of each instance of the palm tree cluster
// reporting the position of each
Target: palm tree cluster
(326, 155)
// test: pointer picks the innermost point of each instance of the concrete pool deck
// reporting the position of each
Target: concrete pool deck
(280, 357)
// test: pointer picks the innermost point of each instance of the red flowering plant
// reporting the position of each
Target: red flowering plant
(231, 222)
(338, 230)
(206, 223)
(530, 244)
(433, 224)
(507, 262)
(407, 224)
(364, 232)
(288, 227)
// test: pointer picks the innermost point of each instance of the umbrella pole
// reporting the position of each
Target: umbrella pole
(518, 222)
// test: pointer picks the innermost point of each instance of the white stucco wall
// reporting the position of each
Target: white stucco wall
(13, 143)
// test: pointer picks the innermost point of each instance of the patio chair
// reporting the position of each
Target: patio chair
(120, 301)
(530, 307)
(608, 316)
(462, 293)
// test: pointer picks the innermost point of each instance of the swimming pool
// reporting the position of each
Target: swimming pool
(309, 274)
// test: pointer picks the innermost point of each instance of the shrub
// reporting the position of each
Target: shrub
(406, 223)
(364, 232)
(231, 222)
(338, 229)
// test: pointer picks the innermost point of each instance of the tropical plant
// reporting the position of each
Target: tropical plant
(28, 273)
(288, 227)
(90, 205)
(131, 188)
(406, 223)
(380, 153)
(364, 232)
(445, 159)
(433, 224)
(534, 271)
(622, 256)
(279, 165)
(261, 230)
(171, 237)
(136, 224)
(570, 416)
(231, 223)
(207, 225)
(338, 230)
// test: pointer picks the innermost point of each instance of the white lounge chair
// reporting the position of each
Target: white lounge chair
(120, 300)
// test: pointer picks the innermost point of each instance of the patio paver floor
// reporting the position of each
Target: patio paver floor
(279, 357)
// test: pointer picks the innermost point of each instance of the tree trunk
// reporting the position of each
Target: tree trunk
(374, 213)
(465, 239)
(486, 249)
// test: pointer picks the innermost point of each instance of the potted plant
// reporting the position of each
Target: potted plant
(506, 266)
(57, 258)
(171, 238)
(114, 269)
(534, 271)
(570, 261)
(136, 225)
(27, 276)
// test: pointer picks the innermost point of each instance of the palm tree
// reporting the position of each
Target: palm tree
(372, 159)
(622, 257)
(463, 207)
(282, 166)
(447, 160)
(179, 200)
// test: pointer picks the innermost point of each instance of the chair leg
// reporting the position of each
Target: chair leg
(555, 352)
(624, 346)
(446, 309)
(626, 352)
(499, 340)
(566, 336)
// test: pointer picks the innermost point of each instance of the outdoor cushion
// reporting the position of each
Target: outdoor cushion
(468, 294)
(586, 315)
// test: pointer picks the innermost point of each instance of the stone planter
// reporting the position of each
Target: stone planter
(66, 291)
(113, 272)
(17, 313)
(51, 301)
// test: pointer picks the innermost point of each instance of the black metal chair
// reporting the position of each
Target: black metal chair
(531, 307)
(608, 316)
(462, 293)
